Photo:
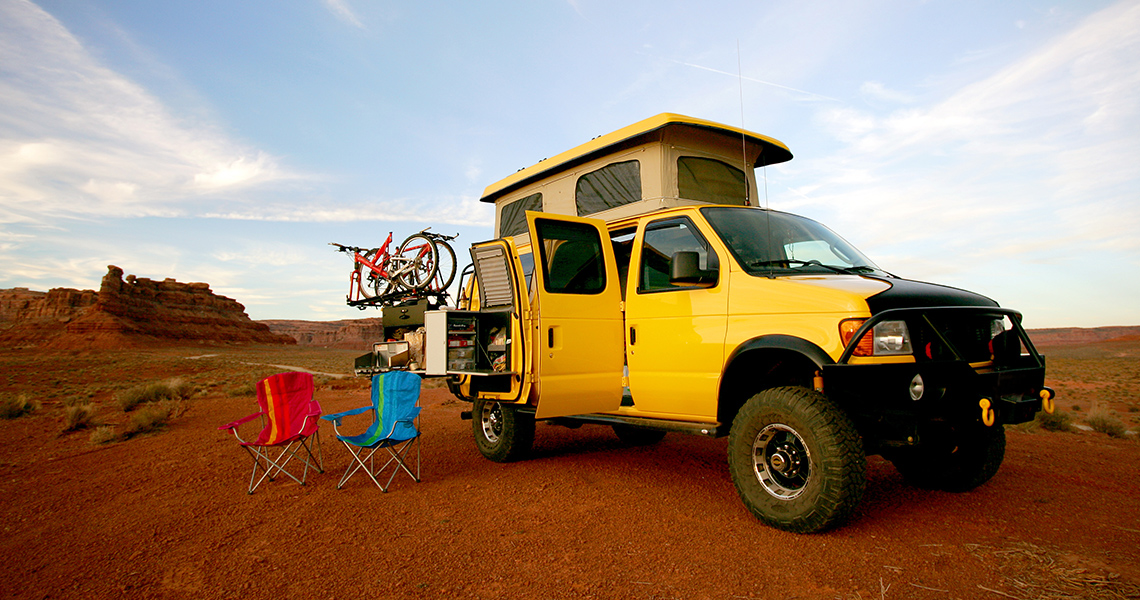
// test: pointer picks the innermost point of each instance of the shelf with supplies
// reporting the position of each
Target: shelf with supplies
(467, 342)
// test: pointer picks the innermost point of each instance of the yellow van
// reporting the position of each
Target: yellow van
(635, 281)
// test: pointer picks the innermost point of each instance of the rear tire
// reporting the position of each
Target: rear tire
(502, 433)
(796, 459)
(445, 265)
(423, 265)
(952, 459)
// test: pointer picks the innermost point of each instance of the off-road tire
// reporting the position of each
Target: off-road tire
(638, 436)
(796, 459)
(502, 432)
(952, 459)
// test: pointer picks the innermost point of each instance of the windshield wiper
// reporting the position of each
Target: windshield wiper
(855, 270)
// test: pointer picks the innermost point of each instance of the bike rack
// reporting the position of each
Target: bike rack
(400, 297)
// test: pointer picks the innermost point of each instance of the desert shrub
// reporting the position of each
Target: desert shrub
(1106, 423)
(1058, 421)
(16, 406)
(1076, 408)
(104, 435)
(78, 416)
(242, 390)
(173, 389)
(153, 417)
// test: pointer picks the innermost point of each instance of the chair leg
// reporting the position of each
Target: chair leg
(397, 453)
(358, 463)
(274, 467)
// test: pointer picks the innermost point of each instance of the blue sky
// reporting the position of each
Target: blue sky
(990, 146)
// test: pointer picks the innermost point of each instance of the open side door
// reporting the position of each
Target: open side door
(502, 301)
(577, 329)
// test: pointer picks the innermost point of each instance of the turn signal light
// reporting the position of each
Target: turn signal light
(847, 330)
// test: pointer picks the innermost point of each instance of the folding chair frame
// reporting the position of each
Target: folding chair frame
(396, 453)
(272, 467)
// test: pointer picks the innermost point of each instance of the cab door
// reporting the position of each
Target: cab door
(576, 319)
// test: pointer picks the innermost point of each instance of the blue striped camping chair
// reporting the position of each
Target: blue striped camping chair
(395, 398)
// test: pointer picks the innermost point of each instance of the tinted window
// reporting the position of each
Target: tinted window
(766, 242)
(512, 219)
(662, 240)
(572, 261)
(711, 180)
(608, 187)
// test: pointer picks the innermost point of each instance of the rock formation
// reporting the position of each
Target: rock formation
(131, 312)
(351, 334)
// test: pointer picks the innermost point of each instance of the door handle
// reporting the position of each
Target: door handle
(632, 336)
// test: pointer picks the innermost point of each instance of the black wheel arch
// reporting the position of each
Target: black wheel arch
(764, 362)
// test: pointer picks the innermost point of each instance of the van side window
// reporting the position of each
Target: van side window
(572, 260)
(710, 180)
(664, 238)
(512, 218)
(622, 241)
(612, 185)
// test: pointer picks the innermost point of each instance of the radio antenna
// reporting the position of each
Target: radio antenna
(744, 157)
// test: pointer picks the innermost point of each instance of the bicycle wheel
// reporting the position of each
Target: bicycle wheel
(445, 266)
(419, 252)
(372, 284)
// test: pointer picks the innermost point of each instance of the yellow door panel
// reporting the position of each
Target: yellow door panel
(577, 331)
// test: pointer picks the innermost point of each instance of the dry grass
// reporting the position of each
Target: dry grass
(78, 416)
(172, 389)
(1106, 422)
(1032, 573)
(14, 406)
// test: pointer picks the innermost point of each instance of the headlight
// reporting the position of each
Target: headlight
(889, 338)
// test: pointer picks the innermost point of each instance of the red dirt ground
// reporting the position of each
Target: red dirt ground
(167, 516)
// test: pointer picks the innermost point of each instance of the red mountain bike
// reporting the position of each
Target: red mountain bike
(424, 262)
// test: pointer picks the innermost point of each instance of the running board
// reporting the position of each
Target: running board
(707, 429)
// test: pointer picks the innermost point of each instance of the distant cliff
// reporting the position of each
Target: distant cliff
(126, 312)
(352, 334)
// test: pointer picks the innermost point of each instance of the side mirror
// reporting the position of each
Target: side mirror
(686, 268)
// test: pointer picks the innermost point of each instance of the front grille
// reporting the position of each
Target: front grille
(968, 338)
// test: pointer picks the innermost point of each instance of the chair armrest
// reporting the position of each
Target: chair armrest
(240, 421)
(336, 417)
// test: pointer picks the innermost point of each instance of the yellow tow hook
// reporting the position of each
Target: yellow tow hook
(987, 412)
(1047, 404)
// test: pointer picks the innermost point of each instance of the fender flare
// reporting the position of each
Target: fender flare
(781, 342)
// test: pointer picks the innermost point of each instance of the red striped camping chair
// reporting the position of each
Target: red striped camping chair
(289, 418)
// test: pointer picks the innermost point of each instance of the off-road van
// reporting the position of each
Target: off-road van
(635, 281)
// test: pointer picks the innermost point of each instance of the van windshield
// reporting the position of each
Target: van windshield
(765, 242)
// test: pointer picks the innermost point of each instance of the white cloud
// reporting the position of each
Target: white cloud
(1050, 136)
(344, 12)
(79, 138)
(878, 91)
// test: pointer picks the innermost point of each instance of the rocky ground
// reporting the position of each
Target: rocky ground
(166, 515)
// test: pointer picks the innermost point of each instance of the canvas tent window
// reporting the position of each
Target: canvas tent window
(611, 186)
(512, 218)
(710, 180)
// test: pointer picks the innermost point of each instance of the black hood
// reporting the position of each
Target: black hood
(905, 293)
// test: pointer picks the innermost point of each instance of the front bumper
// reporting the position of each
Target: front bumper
(891, 403)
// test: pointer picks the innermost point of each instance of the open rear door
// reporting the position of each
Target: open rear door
(577, 337)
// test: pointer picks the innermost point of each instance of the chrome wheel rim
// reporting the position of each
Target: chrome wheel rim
(492, 420)
(781, 461)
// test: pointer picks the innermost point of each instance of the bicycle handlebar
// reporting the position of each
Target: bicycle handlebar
(343, 248)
